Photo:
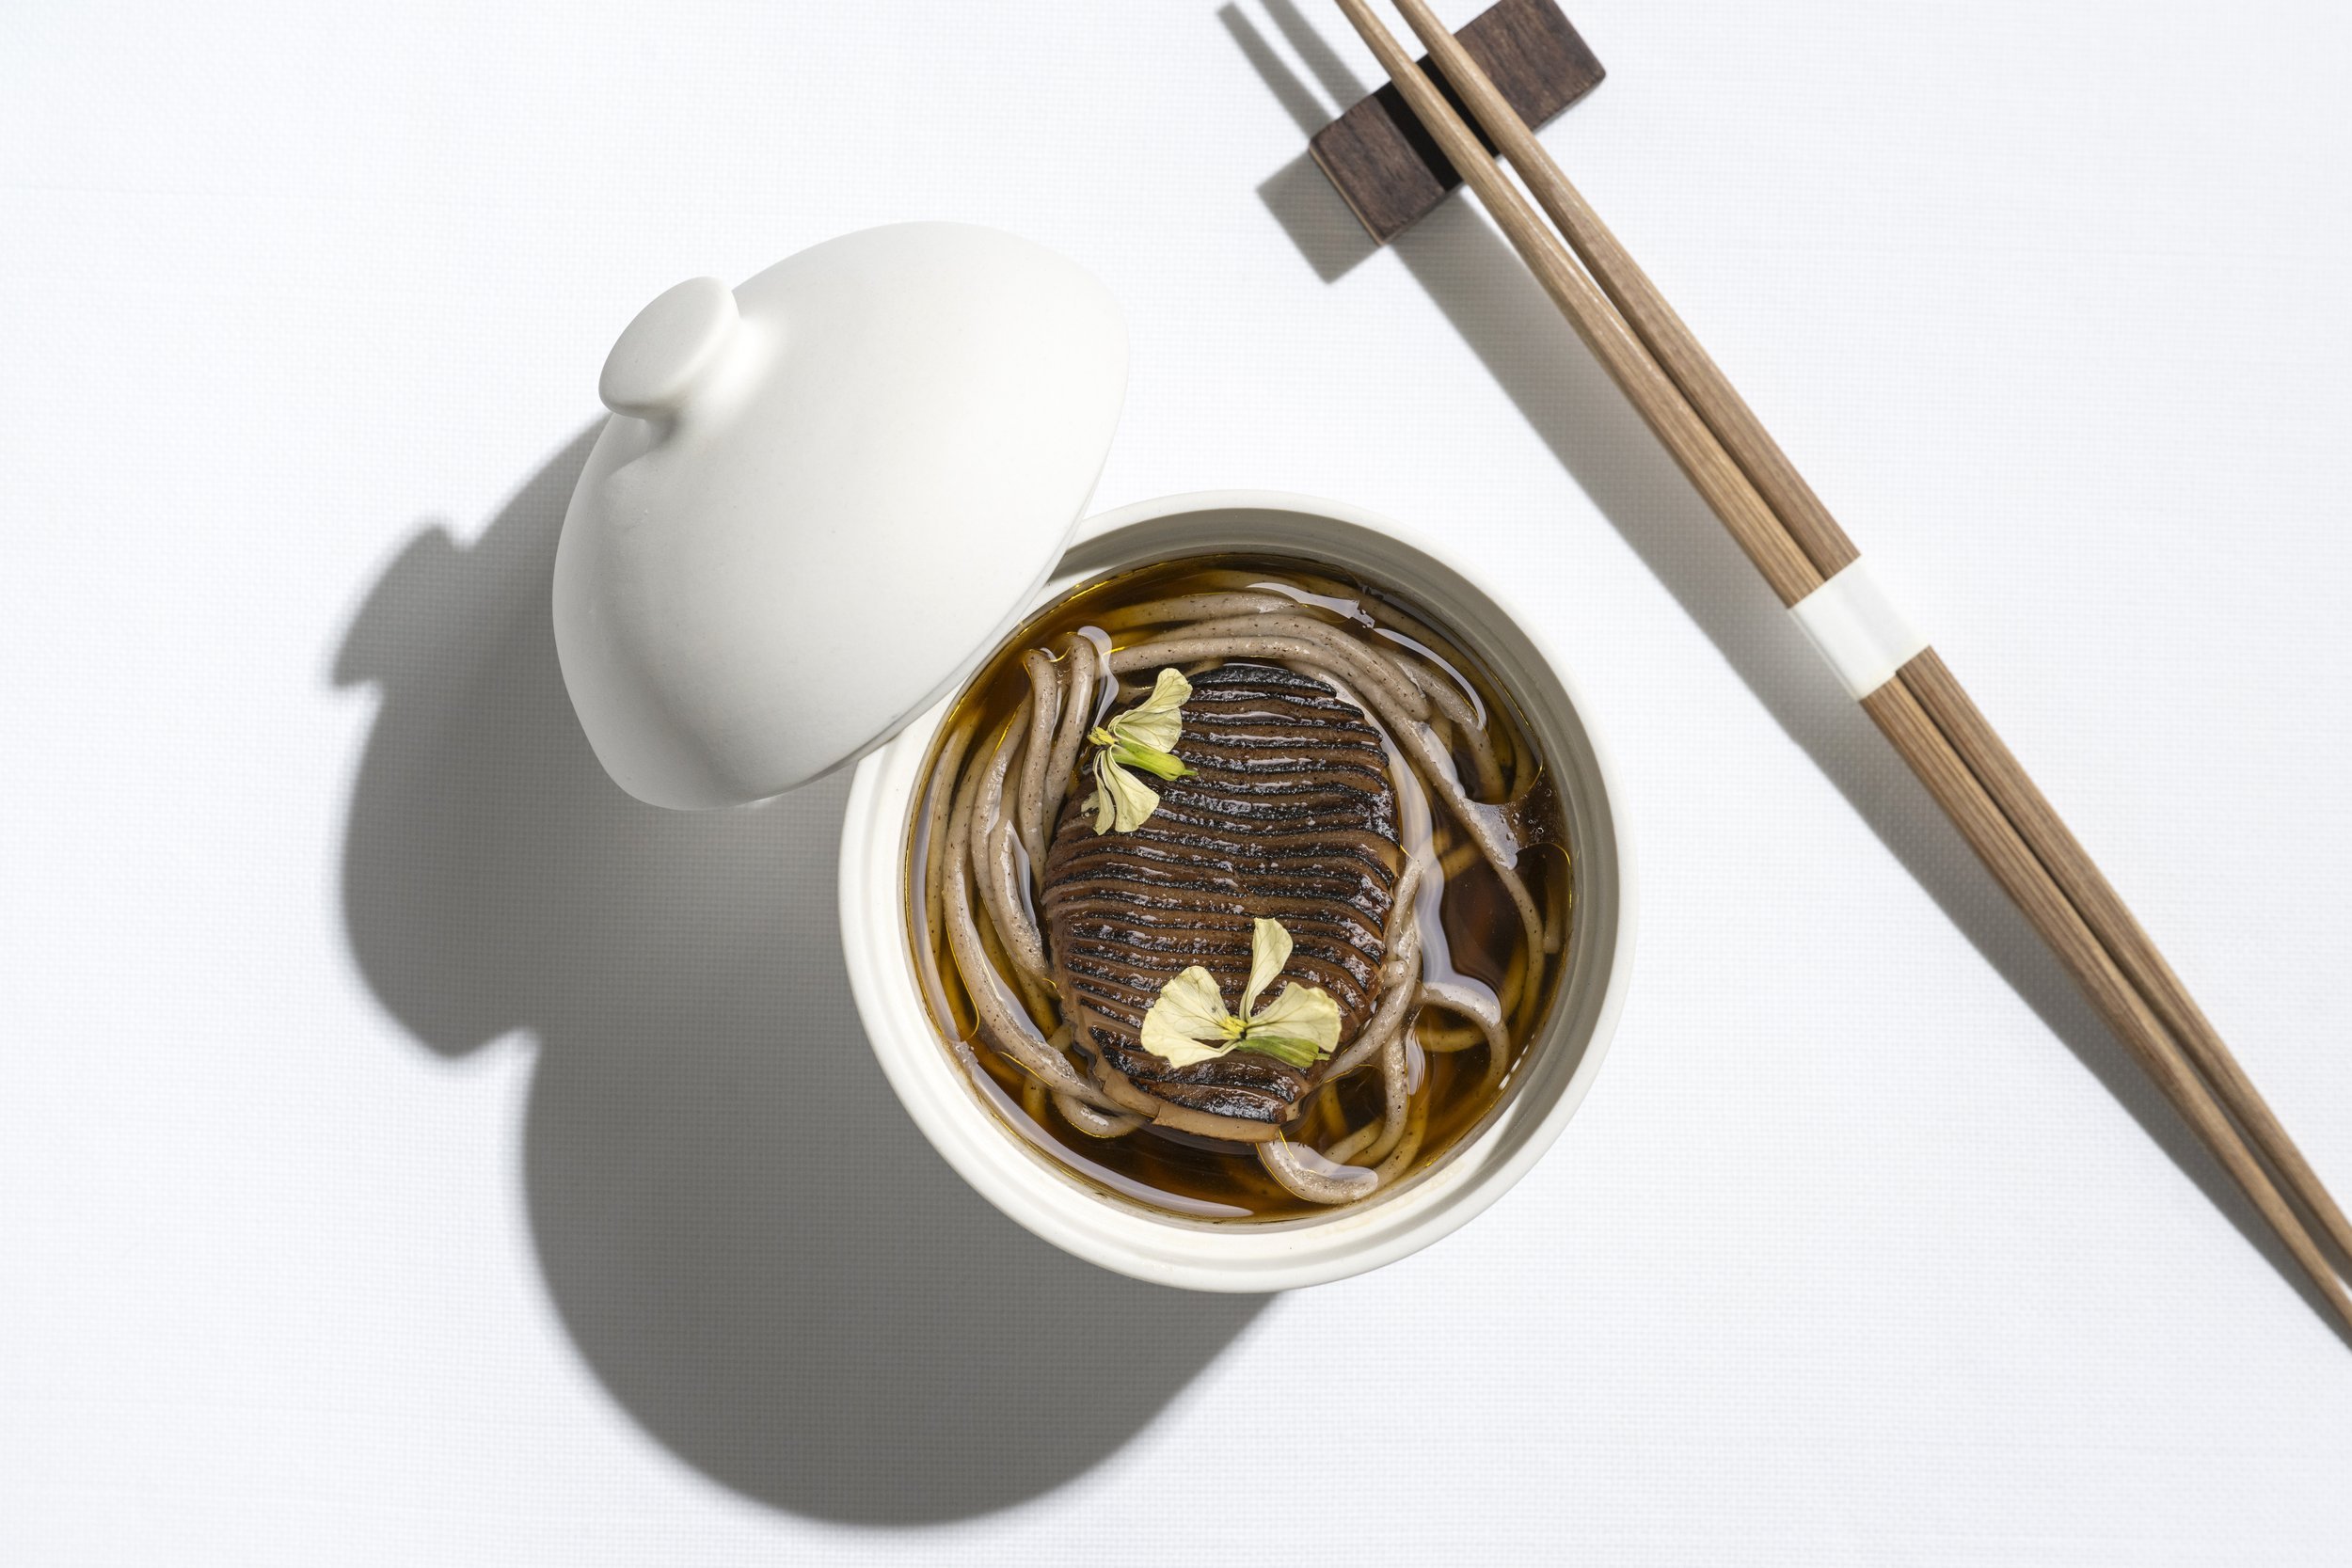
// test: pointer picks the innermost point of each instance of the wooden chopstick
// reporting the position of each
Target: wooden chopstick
(1930, 680)
(1940, 693)
(1792, 575)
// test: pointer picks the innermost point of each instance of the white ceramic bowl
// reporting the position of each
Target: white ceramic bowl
(1206, 1255)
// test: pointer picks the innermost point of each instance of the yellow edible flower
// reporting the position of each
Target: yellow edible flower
(1189, 1023)
(1143, 737)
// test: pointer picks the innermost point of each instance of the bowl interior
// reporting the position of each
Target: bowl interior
(1042, 1192)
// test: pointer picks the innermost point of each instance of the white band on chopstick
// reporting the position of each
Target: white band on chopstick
(1858, 629)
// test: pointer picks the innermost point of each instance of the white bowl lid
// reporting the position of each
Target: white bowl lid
(822, 497)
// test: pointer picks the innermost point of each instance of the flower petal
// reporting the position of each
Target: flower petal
(1179, 1052)
(1188, 1013)
(1100, 801)
(1129, 799)
(1301, 1012)
(1155, 723)
(1270, 950)
(1190, 1003)
(1170, 691)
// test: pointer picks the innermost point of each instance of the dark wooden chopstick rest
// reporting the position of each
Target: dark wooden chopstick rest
(1389, 169)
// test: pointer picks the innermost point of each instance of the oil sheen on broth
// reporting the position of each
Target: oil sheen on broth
(1356, 783)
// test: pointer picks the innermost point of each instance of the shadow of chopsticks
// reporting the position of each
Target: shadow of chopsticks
(1475, 277)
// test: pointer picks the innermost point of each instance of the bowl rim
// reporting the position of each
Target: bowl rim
(1059, 1207)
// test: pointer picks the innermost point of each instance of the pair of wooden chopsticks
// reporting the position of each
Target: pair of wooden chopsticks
(1795, 542)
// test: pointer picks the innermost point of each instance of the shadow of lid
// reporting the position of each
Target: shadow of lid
(744, 1235)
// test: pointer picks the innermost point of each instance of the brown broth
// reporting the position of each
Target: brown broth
(1483, 939)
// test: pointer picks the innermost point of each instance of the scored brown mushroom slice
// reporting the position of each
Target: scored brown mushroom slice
(1290, 815)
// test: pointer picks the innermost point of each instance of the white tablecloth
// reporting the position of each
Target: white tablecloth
(412, 1151)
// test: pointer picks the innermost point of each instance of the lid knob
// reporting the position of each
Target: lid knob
(915, 412)
(674, 342)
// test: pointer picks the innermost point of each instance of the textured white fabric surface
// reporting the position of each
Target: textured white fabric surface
(411, 1152)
